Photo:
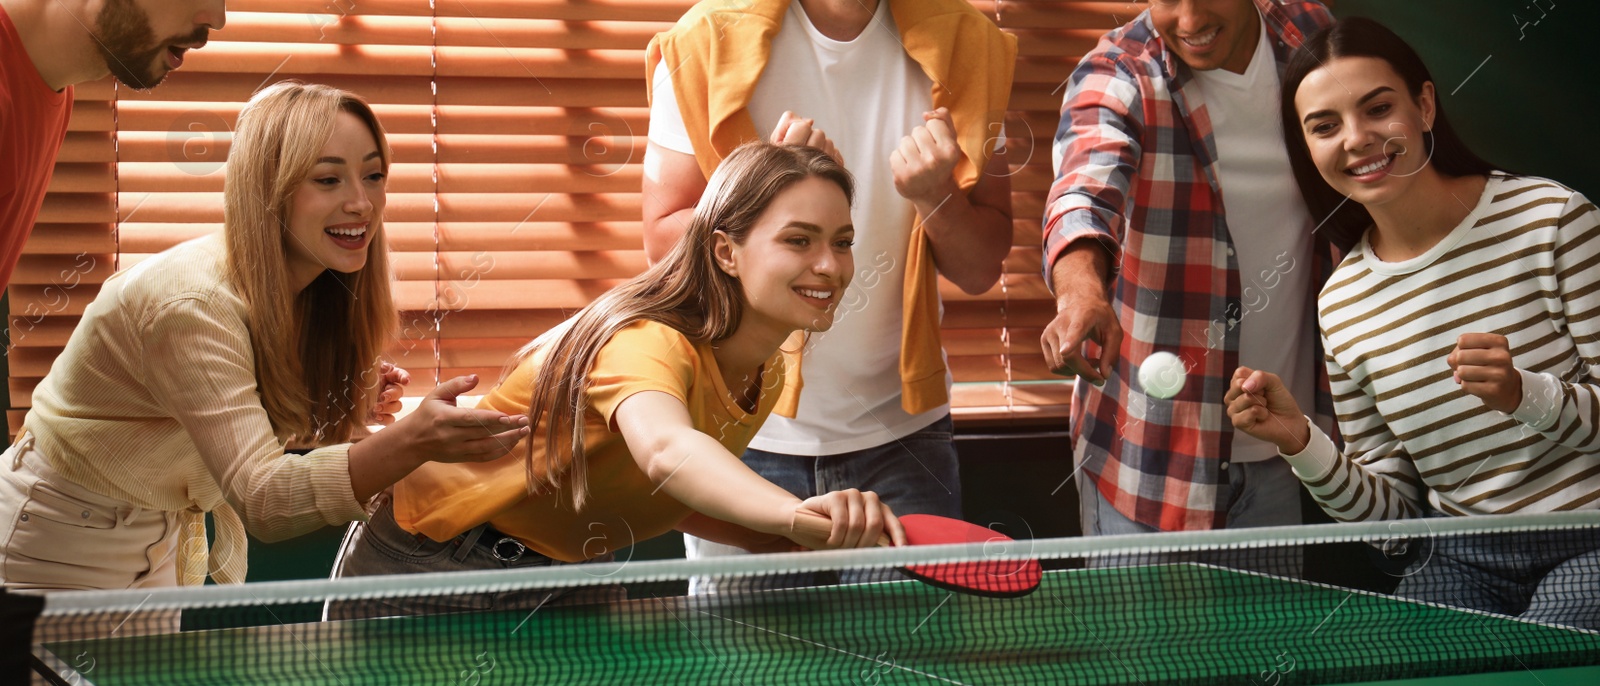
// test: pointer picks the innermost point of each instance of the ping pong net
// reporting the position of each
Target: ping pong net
(1263, 606)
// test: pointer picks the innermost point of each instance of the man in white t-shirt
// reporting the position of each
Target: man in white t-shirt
(840, 66)
(1171, 166)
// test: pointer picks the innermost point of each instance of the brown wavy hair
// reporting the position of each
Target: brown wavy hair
(686, 291)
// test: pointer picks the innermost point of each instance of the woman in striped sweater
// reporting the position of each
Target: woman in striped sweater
(1460, 330)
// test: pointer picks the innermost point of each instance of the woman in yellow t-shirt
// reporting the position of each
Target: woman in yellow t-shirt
(641, 403)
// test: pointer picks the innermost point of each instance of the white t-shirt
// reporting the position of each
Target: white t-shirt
(1271, 230)
(866, 94)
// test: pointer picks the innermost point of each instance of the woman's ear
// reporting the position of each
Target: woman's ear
(1427, 103)
(722, 252)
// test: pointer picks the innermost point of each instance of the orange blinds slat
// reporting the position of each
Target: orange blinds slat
(518, 127)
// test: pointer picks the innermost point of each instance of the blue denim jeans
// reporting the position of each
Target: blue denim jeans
(917, 474)
(381, 547)
(1263, 493)
(1543, 576)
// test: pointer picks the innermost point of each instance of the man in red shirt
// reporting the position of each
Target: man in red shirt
(46, 46)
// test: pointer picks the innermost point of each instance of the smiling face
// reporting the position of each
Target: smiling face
(796, 262)
(1208, 34)
(143, 40)
(1364, 129)
(331, 213)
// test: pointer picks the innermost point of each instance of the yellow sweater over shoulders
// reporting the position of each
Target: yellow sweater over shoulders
(717, 51)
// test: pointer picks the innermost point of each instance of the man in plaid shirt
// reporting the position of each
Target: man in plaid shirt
(1169, 116)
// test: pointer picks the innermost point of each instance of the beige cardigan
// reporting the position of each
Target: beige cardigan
(154, 403)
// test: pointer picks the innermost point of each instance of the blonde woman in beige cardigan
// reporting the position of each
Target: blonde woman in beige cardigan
(192, 373)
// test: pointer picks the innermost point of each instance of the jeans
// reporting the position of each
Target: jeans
(917, 474)
(1263, 493)
(380, 546)
(1543, 576)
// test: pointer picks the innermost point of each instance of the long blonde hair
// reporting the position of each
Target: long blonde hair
(316, 353)
(686, 291)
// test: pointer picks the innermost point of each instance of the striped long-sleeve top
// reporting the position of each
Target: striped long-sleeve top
(1523, 264)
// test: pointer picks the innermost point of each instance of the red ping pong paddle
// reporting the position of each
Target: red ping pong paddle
(990, 578)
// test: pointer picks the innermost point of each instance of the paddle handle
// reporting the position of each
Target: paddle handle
(820, 526)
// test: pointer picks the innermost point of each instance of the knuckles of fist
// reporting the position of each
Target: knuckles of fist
(1481, 364)
(924, 159)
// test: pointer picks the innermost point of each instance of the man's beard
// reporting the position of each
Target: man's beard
(129, 45)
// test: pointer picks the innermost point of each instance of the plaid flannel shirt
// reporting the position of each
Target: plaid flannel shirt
(1136, 171)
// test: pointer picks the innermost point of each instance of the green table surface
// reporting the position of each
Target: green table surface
(1189, 624)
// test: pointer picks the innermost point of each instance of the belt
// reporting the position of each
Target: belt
(503, 547)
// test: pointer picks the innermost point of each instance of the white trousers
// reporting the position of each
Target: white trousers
(56, 535)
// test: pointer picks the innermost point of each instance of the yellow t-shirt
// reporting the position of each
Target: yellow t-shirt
(623, 506)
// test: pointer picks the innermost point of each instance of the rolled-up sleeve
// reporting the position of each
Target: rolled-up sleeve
(1096, 154)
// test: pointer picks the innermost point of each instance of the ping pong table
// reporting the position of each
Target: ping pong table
(1184, 623)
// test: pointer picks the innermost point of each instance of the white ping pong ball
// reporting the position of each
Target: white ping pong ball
(1162, 375)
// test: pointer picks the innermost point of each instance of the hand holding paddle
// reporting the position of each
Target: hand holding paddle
(988, 577)
(849, 518)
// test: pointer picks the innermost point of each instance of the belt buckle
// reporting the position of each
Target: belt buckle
(517, 549)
